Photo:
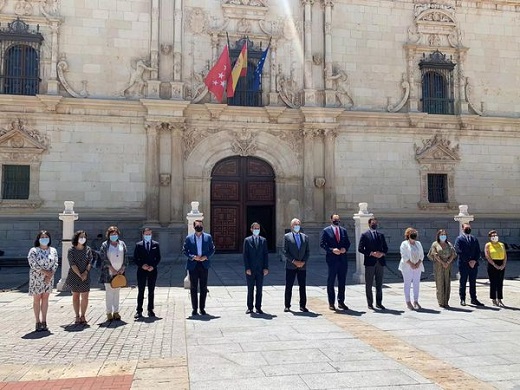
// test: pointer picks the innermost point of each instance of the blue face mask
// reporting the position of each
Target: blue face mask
(44, 241)
(114, 238)
(442, 238)
(147, 237)
(296, 228)
(256, 232)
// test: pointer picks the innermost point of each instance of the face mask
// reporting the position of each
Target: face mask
(147, 237)
(296, 228)
(44, 241)
(256, 232)
(82, 240)
(114, 238)
(443, 238)
(336, 223)
(373, 226)
(413, 236)
(198, 228)
(467, 230)
(494, 238)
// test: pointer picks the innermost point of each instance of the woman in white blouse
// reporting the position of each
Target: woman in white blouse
(411, 266)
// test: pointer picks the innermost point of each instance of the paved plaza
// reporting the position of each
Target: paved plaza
(461, 348)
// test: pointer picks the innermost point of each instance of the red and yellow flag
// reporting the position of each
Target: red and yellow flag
(239, 70)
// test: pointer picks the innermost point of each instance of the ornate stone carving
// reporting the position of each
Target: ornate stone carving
(341, 85)
(406, 87)
(192, 137)
(294, 138)
(244, 143)
(244, 26)
(23, 8)
(62, 67)
(2, 4)
(197, 21)
(430, 8)
(20, 144)
(467, 91)
(435, 149)
(166, 49)
(50, 8)
(319, 182)
(286, 88)
(199, 89)
(251, 3)
(165, 179)
(137, 83)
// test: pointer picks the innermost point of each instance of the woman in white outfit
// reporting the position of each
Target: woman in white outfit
(114, 262)
(411, 266)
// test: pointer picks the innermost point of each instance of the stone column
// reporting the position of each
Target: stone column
(164, 171)
(461, 83)
(68, 217)
(177, 172)
(310, 93)
(152, 174)
(463, 216)
(273, 93)
(330, 171)
(308, 175)
(52, 83)
(413, 101)
(154, 83)
(191, 217)
(328, 4)
(177, 85)
(361, 224)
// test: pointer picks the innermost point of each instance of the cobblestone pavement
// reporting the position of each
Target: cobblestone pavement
(463, 348)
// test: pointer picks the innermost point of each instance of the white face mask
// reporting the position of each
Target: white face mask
(494, 239)
(82, 240)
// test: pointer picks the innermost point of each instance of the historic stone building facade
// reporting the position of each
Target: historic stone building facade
(411, 106)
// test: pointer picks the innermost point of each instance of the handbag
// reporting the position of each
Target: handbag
(118, 281)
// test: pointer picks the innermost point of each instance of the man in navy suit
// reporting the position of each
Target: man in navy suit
(147, 256)
(335, 242)
(198, 248)
(256, 263)
(296, 252)
(372, 244)
(468, 249)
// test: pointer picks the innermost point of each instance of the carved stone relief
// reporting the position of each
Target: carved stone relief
(23, 8)
(341, 85)
(50, 8)
(405, 85)
(136, 85)
(196, 21)
(192, 137)
(287, 89)
(244, 142)
(62, 67)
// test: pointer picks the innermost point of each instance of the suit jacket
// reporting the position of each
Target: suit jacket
(142, 256)
(190, 250)
(255, 257)
(328, 242)
(291, 251)
(468, 248)
(368, 244)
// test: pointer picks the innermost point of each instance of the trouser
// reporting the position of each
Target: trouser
(411, 276)
(143, 278)
(290, 275)
(337, 269)
(112, 298)
(256, 279)
(442, 283)
(374, 271)
(198, 275)
(496, 280)
(466, 272)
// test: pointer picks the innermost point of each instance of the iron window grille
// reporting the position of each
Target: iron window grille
(20, 59)
(437, 84)
(437, 188)
(15, 181)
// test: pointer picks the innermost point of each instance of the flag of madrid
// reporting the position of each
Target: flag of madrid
(218, 75)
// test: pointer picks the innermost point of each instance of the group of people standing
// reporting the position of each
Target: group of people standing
(199, 248)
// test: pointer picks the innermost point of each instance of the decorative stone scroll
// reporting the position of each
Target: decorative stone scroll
(405, 85)
(467, 91)
(62, 67)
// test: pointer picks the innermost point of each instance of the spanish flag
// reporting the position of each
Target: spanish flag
(239, 70)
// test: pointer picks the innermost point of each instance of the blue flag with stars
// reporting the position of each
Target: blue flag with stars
(258, 70)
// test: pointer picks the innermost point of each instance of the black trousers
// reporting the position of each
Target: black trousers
(290, 275)
(144, 278)
(198, 276)
(255, 280)
(496, 280)
(337, 269)
(374, 272)
(466, 272)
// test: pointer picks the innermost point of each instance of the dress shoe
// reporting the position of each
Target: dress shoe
(203, 312)
(463, 302)
(259, 311)
(43, 327)
(342, 306)
(286, 310)
(380, 306)
(476, 302)
(138, 315)
(151, 313)
(110, 317)
(194, 313)
(331, 307)
(371, 307)
(249, 311)
(304, 309)
(117, 317)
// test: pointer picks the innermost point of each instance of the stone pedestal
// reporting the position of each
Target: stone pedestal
(152, 89)
(68, 217)
(273, 98)
(310, 97)
(330, 98)
(463, 216)
(177, 88)
(191, 217)
(52, 87)
(361, 223)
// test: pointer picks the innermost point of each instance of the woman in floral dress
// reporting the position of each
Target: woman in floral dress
(43, 260)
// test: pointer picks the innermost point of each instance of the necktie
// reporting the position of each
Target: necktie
(298, 240)
(256, 241)
(148, 246)
(336, 232)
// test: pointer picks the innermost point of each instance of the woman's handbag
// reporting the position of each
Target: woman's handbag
(118, 281)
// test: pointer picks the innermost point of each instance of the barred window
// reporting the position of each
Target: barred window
(437, 84)
(437, 188)
(15, 181)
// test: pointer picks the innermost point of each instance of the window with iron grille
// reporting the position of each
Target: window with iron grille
(19, 59)
(437, 84)
(437, 188)
(15, 181)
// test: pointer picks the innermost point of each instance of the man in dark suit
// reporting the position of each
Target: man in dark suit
(147, 256)
(256, 263)
(468, 249)
(335, 242)
(296, 252)
(372, 244)
(198, 248)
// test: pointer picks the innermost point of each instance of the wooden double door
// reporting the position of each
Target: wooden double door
(242, 192)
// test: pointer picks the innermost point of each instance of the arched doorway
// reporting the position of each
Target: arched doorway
(242, 192)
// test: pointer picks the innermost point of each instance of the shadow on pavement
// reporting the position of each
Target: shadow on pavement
(148, 320)
(390, 311)
(486, 308)
(428, 311)
(207, 317)
(112, 324)
(265, 316)
(458, 309)
(75, 327)
(302, 314)
(511, 308)
(34, 335)
(350, 312)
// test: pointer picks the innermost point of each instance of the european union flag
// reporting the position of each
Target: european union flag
(258, 70)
